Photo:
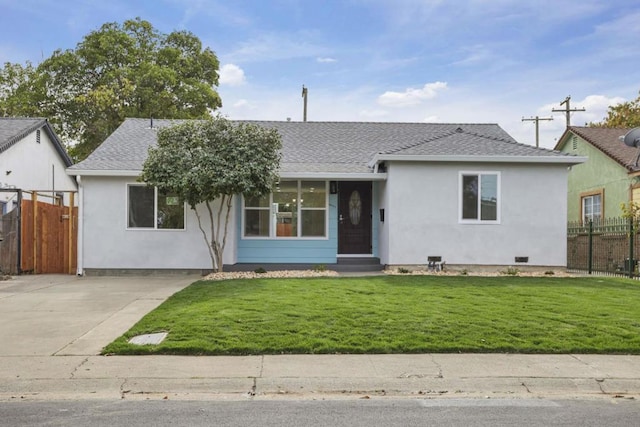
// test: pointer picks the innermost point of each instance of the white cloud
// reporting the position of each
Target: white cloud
(326, 60)
(241, 103)
(373, 114)
(475, 55)
(411, 96)
(232, 75)
(277, 47)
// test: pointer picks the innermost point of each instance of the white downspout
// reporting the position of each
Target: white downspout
(80, 248)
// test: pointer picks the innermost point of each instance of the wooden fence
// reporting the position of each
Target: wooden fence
(9, 246)
(49, 236)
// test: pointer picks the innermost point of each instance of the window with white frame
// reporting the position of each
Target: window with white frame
(592, 207)
(480, 197)
(151, 209)
(296, 209)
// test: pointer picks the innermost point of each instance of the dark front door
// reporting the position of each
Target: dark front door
(354, 217)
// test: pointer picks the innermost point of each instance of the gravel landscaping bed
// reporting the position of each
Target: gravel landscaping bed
(393, 271)
(269, 274)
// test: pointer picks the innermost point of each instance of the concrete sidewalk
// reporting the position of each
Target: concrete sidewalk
(319, 377)
(53, 327)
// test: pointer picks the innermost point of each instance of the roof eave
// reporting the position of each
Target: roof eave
(102, 172)
(565, 160)
(40, 124)
(57, 144)
(340, 176)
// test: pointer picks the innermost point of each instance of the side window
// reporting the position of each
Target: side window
(479, 197)
(149, 208)
(313, 210)
(141, 206)
(256, 216)
(591, 205)
(286, 201)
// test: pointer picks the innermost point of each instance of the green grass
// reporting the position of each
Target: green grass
(396, 314)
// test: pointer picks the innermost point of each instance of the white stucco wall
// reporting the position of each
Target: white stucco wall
(383, 227)
(422, 199)
(107, 244)
(34, 166)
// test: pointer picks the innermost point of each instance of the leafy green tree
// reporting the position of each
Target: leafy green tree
(625, 115)
(117, 71)
(208, 162)
(14, 89)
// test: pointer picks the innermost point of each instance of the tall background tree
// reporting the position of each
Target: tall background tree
(625, 115)
(208, 162)
(118, 71)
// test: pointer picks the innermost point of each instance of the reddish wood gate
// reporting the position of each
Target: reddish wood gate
(48, 237)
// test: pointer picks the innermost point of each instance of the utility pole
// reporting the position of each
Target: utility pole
(537, 120)
(304, 95)
(567, 110)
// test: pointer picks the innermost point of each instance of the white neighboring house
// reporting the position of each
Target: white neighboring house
(387, 194)
(32, 158)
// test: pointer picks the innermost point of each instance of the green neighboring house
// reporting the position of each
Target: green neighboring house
(610, 177)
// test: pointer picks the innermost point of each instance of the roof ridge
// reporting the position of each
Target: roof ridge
(424, 141)
(514, 142)
(22, 118)
(365, 122)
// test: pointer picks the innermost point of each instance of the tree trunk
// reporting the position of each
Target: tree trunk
(218, 239)
(206, 238)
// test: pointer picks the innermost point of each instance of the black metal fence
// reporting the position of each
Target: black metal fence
(607, 246)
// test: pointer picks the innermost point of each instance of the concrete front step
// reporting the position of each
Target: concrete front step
(358, 261)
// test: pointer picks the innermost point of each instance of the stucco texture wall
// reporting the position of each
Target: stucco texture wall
(108, 244)
(422, 205)
(600, 172)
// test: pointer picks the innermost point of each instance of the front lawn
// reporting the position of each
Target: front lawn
(396, 314)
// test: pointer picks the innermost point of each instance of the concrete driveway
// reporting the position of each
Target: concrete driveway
(45, 315)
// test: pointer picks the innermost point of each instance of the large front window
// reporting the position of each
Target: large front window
(149, 208)
(480, 197)
(294, 209)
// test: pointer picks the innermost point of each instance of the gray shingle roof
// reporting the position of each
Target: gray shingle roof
(14, 129)
(336, 147)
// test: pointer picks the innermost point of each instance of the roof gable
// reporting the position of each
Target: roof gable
(606, 140)
(334, 147)
(15, 129)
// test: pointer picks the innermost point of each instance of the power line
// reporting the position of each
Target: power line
(537, 120)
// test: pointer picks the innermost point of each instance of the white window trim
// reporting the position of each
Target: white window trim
(155, 213)
(272, 228)
(461, 174)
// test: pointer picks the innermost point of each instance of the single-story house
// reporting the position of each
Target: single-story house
(31, 158)
(397, 194)
(610, 177)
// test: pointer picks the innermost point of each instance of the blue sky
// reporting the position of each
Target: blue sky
(485, 61)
